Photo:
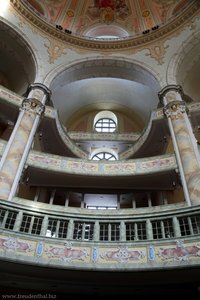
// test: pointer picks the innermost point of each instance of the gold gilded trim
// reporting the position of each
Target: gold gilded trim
(138, 41)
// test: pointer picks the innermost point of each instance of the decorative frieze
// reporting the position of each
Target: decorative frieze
(57, 163)
(163, 254)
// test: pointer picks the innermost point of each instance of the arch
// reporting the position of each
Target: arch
(180, 57)
(21, 58)
(105, 67)
(84, 82)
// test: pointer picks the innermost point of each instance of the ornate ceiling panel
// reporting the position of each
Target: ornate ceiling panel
(119, 18)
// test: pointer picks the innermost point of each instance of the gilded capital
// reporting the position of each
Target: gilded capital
(33, 105)
(175, 109)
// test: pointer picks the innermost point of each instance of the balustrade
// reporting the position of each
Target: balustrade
(90, 229)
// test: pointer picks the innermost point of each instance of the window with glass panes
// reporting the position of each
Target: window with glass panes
(115, 231)
(103, 155)
(83, 231)
(31, 224)
(184, 226)
(62, 230)
(2, 215)
(57, 228)
(37, 225)
(195, 221)
(157, 231)
(168, 228)
(103, 231)
(51, 228)
(88, 231)
(78, 228)
(105, 125)
(130, 231)
(26, 222)
(141, 231)
(10, 221)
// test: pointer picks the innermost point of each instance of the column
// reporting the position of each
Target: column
(149, 199)
(70, 229)
(53, 192)
(57, 229)
(31, 224)
(184, 142)
(82, 200)
(149, 230)
(109, 232)
(190, 225)
(96, 231)
(176, 227)
(118, 201)
(4, 219)
(18, 221)
(133, 201)
(135, 232)
(67, 200)
(122, 231)
(162, 198)
(44, 226)
(37, 194)
(19, 144)
(163, 229)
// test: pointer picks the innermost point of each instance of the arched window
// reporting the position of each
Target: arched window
(105, 125)
(103, 155)
(105, 121)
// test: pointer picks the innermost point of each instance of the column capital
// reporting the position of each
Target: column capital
(32, 105)
(39, 86)
(168, 88)
(175, 109)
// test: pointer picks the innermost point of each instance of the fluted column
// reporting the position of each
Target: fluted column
(19, 144)
(184, 142)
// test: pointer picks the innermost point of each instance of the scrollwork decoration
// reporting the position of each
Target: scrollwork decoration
(33, 105)
(175, 109)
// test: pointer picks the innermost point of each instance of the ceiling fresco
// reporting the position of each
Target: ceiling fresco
(108, 17)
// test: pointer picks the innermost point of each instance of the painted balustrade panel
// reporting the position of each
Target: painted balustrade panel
(177, 253)
(85, 167)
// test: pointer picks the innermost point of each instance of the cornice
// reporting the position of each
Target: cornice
(134, 42)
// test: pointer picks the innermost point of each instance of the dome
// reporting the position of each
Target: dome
(108, 19)
(99, 148)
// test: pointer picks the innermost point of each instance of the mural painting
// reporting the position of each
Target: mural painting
(11, 243)
(180, 252)
(66, 253)
(123, 255)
